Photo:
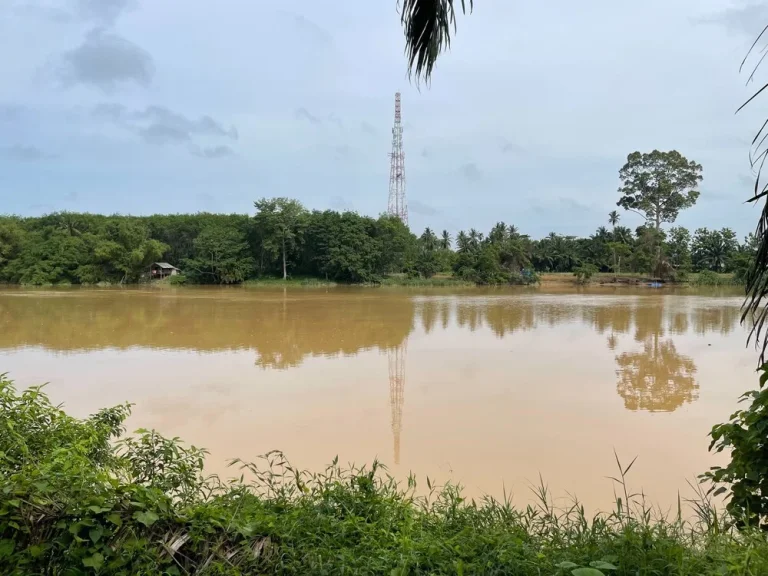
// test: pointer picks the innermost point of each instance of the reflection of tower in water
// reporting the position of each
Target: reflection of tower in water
(396, 361)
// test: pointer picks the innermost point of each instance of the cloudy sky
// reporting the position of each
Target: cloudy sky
(139, 106)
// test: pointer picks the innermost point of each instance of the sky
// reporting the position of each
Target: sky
(171, 106)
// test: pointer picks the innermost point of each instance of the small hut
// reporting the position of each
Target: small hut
(160, 270)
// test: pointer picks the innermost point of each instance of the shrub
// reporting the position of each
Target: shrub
(745, 478)
(177, 280)
(584, 273)
(74, 501)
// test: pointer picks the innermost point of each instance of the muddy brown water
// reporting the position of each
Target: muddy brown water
(489, 388)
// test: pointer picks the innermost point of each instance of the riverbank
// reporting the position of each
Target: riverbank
(76, 501)
(630, 279)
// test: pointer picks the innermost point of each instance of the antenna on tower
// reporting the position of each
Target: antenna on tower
(397, 204)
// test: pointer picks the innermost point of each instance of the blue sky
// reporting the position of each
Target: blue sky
(142, 107)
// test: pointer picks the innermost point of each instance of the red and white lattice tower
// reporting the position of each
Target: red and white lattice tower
(397, 204)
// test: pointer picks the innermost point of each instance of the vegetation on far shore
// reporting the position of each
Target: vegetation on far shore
(79, 497)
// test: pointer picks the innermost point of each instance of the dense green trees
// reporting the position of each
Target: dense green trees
(284, 239)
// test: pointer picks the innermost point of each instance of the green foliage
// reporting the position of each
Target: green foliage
(279, 223)
(284, 240)
(177, 280)
(74, 501)
(678, 248)
(222, 256)
(709, 278)
(658, 185)
(584, 273)
(714, 250)
(745, 478)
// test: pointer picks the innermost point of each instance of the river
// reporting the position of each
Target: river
(490, 388)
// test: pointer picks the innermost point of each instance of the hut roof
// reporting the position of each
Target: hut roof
(165, 265)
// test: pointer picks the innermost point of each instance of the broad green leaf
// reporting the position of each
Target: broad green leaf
(566, 565)
(38, 550)
(115, 519)
(587, 572)
(6, 548)
(602, 565)
(95, 561)
(95, 533)
(147, 518)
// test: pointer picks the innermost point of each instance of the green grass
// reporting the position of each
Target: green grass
(439, 280)
(708, 278)
(76, 497)
(298, 281)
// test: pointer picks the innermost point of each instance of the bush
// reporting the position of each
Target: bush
(584, 273)
(709, 278)
(77, 499)
(177, 280)
(745, 478)
(524, 278)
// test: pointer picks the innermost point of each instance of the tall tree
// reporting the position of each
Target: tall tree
(280, 224)
(613, 218)
(445, 240)
(657, 185)
(221, 257)
(678, 248)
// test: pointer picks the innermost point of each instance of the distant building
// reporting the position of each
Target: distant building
(160, 270)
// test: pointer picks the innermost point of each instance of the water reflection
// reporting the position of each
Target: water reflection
(323, 373)
(396, 363)
(657, 379)
(283, 329)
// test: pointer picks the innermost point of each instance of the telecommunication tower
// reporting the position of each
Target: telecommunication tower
(397, 204)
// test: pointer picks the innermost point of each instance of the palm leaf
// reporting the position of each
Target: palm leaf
(427, 25)
(754, 309)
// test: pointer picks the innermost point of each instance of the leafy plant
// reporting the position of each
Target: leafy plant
(745, 478)
(584, 273)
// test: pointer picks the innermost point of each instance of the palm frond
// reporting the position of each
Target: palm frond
(754, 309)
(427, 25)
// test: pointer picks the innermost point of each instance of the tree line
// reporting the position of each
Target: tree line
(284, 239)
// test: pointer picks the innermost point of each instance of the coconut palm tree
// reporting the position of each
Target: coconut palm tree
(428, 239)
(613, 218)
(462, 242)
(427, 25)
(757, 279)
(445, 241)
(498, 233)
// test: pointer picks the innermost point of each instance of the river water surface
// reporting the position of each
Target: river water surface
(490, 388)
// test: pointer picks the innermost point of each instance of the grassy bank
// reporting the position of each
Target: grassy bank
(74, 501)
(438, 280)
(289, 282)
(692, 279)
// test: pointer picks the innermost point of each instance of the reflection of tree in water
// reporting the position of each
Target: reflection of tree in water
(658, 379)
(504, 319)
(613, 317)
(445, 314)
(679, 323)
(469, 315)
(282, 329)
(722, 319)
(428, 312)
